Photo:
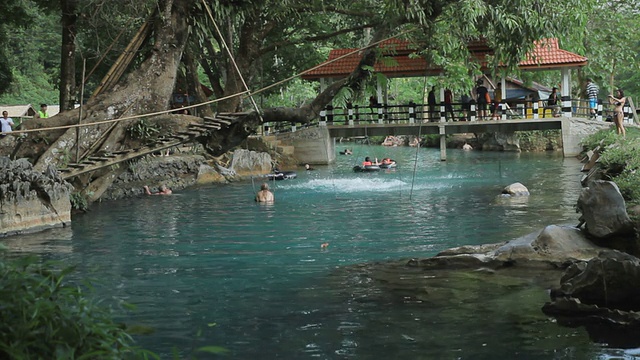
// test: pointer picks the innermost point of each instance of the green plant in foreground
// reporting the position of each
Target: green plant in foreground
(45, 318)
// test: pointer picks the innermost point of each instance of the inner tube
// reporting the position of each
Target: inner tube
(282, 175)
(368, 168)
(392, 165)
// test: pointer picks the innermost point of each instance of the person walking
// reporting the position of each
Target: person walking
(618, 113)
(592, 94)
(5, 124)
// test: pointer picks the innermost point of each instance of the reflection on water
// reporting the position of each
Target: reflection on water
(260, 274)
(56, 240)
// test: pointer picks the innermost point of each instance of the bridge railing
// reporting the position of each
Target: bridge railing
(415, 113)
(356, 114)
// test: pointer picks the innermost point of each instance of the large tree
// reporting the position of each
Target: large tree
(267, 40)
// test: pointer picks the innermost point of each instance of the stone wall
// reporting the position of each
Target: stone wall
(30, 200)
(313, 145)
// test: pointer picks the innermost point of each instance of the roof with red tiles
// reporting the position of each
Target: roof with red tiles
(399, 61)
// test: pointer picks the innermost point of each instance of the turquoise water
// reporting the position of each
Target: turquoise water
(208, 266)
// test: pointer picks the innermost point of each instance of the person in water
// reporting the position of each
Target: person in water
(163, 191)
(466, 147)
(264, 195)
(308, 167)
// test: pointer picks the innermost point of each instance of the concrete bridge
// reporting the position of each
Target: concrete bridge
(316, 144)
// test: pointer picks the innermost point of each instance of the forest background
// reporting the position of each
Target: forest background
(31, 39)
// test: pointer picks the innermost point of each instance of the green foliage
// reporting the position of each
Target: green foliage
(620, 159)
(142, 130)
(43, 317)
(79, 201)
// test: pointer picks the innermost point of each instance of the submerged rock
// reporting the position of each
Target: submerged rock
(516, 189)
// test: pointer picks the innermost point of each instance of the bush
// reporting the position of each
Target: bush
(45, 318)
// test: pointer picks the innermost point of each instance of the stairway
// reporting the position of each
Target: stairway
(92, 163)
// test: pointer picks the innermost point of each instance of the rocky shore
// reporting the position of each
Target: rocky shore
(31, 200)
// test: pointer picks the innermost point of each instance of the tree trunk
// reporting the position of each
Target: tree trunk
(68, 53)
(146, 90)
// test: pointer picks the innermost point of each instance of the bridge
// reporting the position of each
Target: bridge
(195, 130)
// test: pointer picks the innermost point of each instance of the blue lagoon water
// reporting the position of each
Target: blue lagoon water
(208, 266)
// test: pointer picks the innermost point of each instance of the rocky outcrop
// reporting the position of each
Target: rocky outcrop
(601, 294)
(30, 200)
(500, 142)
(552, 247)
(604, 211)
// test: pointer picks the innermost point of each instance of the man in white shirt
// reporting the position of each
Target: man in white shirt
(6, 123)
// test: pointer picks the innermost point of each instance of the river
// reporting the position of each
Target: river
(208, 266)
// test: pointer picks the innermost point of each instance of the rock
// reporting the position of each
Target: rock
(31, 201)
(592, 158)
(516, 189)
(604, 211)
(601, 295)
(552, 247)
(250, 163)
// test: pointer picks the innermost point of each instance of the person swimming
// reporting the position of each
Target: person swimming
(264, 195)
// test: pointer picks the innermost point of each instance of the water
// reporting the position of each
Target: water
(208, 266)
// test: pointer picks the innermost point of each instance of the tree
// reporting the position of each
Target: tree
(268, 40)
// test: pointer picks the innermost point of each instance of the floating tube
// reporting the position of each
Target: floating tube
(282, 175)
(391, 165)
(368, 168)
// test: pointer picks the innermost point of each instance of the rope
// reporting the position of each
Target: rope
(415, 161)
(233, 61)
(219, 99)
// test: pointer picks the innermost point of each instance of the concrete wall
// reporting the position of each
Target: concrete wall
(312, 145)
(576, 129)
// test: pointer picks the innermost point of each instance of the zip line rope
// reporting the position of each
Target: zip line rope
(415, 161)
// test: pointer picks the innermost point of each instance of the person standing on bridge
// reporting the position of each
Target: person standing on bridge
(482, 99)
(431, 101)
(592, 94)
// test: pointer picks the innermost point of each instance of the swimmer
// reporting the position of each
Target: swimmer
(163, 191)
(324, 245)
(264, 195)
(308, 167)
(466, 147)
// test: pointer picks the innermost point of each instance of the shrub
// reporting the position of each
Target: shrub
(43, 317)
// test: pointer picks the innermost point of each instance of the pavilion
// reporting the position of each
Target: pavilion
(546, 55)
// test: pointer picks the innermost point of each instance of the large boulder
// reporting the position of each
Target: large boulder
(30, 200)
(604, 211)
(601, 294)
(553, 247)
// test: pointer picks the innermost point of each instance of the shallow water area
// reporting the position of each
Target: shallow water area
(209, 266)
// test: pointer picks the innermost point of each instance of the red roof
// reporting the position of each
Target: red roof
(398, 62)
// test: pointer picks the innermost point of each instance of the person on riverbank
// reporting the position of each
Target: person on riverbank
(163, 190)
(42, 113)
(5, 124)
(264, 195)
(618, 112)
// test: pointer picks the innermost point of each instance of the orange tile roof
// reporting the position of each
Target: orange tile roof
(398, 62)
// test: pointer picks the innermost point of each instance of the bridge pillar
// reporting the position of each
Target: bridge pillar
(312, 145)
(443, 143)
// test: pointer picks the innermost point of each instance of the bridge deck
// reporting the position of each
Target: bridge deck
(456, 127)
